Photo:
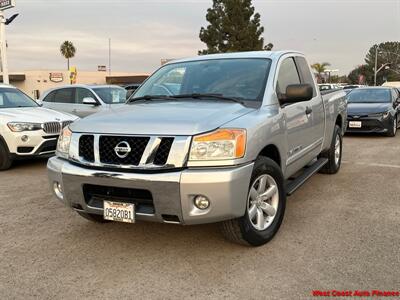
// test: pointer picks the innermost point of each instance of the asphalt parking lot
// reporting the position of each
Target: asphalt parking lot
(340, 232)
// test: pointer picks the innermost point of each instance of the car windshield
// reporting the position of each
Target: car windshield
(230, 78)
(369, 96)
(12, 98)
(111, 95)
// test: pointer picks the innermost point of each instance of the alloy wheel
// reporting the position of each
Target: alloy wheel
(263, 202)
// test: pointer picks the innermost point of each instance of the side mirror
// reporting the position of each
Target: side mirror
(39, 102)
(297, 93)
(89, 101)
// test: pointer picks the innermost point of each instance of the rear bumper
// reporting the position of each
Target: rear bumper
(172, 192)
(370, 125)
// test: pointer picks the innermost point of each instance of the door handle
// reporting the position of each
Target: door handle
(308, 110)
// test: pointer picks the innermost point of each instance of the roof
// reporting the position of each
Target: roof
(251, 54)
(2, 85)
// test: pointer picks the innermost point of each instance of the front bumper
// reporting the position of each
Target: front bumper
(370, 125)
(172, 192)
(38, 143)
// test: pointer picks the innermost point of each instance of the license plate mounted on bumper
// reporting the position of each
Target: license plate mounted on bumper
(119, 212)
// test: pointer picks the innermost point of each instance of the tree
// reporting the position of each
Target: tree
(320, 68)
(234, 26)
(68, 50)
(362, 74)
(388, 53)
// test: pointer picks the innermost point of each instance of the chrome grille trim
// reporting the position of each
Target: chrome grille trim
(55, 127)
(177, 156)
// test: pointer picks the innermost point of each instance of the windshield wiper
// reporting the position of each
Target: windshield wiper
(150, 97)
(214, 96)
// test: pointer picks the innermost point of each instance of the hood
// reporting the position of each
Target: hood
(367, 108)
(162, 118)
(33, 114)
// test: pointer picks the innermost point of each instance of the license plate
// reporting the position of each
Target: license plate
(119, 212)
(355, 124)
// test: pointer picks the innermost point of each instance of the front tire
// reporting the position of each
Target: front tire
(5, 158)
(334, 154)
(265, 207)
(393, 128)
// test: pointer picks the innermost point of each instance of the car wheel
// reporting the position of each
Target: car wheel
(92, 217)
(265, 207)
(334, 154)
(393, 128)
(5, 158)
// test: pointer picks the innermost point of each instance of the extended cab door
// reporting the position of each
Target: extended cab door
(303, 139)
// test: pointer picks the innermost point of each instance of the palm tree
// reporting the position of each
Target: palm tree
(68, 50)
(320, 68)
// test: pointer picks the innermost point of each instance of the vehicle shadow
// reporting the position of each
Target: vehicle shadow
(29, 163)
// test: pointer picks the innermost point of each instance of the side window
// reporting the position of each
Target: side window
(64, 96)
(305, 74)
(81, 94)
(49, 97)
(287, 75)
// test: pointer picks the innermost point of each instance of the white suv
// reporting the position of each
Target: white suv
(26, 129)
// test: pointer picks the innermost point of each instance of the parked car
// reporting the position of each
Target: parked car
(84, 100)
(329, 86)
(374, 109)
(242, 131)
(27, 130)
(395, 84)
(131, 88)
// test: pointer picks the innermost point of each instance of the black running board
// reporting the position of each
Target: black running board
(293, 184)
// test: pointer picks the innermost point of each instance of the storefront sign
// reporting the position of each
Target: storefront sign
(56, 77)
(6, 4)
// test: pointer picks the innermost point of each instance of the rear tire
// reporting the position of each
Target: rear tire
(92, 217)
(5, 158)
(393, 128)
(247, 230)
(334, 154)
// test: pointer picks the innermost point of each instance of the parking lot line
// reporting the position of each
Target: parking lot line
(372, 164)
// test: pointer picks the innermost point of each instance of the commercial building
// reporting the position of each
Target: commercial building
(34, 83)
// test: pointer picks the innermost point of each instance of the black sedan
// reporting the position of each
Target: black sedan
(373, 109)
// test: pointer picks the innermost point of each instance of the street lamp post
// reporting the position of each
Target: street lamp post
(376, 63)
(3, 48)
(5, 4)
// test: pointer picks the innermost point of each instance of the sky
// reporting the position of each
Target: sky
(143, 32)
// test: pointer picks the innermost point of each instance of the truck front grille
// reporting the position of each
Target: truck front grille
(109, 154)
(125, 151)
(163, 151)
(86, 147)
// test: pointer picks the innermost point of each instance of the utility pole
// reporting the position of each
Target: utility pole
(3, 48)
(109, 57)
(5, 4)
(376, 63)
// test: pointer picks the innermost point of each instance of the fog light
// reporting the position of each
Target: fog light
(58, 190)
(201, 202)
(24, 138)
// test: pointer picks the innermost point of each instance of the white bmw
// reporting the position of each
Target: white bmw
(26, 129)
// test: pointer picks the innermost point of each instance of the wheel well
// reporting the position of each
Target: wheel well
(339, 121)
(272, 152)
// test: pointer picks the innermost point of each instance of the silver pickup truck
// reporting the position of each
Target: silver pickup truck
(216, 138)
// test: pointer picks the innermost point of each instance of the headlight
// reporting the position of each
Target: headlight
(218, 145)
(63, 143)
(385, 115)
(22, 126)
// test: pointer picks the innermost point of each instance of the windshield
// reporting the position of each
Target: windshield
(369, 96)
(235, 78)
(12, 98)
(111, 95)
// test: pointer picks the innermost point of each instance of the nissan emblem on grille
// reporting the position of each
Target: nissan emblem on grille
(122, 150)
